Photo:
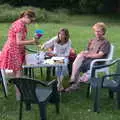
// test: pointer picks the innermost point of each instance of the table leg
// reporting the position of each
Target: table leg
(48, 74)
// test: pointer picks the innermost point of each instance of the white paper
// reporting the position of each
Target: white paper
(35, 58)
(58, 58)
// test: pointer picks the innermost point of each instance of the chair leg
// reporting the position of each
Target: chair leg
(4, 84)
(57, 107)
(88, 91)
(20, 114)
(111, 94)
(118, 99)
(96, 106)
(42, 107)
(96, 86)
(28, 106)
(3, 87)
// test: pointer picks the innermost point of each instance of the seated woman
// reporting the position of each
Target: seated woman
(61, 45)
(71, 58)
(98, 47)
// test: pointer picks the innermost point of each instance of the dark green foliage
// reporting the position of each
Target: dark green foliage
(79, 6)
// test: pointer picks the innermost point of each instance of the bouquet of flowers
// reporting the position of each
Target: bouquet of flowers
(38, 34)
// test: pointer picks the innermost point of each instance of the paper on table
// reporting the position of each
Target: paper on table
(58, 58)
(49, 61)
(35, 58)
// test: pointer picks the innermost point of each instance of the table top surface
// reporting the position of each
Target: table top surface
(43, 65)
(35, 61)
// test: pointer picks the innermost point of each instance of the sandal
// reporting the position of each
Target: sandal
(73, 87)
(84, 78)
(71, 81)
(61, 89)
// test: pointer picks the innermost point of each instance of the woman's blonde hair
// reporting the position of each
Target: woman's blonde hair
(30, 13)
(99, 25)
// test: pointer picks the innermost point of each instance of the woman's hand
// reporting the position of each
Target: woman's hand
(35, 41)
(50, 54)
(42, 46)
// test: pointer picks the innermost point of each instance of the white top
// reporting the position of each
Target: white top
(59, 50)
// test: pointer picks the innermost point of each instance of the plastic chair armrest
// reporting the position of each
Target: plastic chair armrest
(109, 76)
(30, 50)
(94, 68)
(95, 61)
(51, 82)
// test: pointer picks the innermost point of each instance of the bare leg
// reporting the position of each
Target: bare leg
(84, 77)
(17, 75)
(75, 68)
(59, 85)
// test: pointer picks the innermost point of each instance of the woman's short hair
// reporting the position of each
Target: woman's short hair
(99, 25)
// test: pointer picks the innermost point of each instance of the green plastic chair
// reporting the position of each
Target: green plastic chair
(36, 92)
(111, 82)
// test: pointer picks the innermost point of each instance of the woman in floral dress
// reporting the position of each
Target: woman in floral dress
(13, 52)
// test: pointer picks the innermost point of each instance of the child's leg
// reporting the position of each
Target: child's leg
(60, 85)
(59, 74)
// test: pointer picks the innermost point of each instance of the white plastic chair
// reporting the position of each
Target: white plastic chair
(106, 60)
(103, 70)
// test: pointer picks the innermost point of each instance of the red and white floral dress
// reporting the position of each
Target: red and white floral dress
(13, 56)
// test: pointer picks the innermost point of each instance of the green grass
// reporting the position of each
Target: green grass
(74, 106)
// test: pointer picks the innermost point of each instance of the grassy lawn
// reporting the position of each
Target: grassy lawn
(74, 106)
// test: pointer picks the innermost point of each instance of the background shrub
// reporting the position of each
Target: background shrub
(9, 13)
(77, 6)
